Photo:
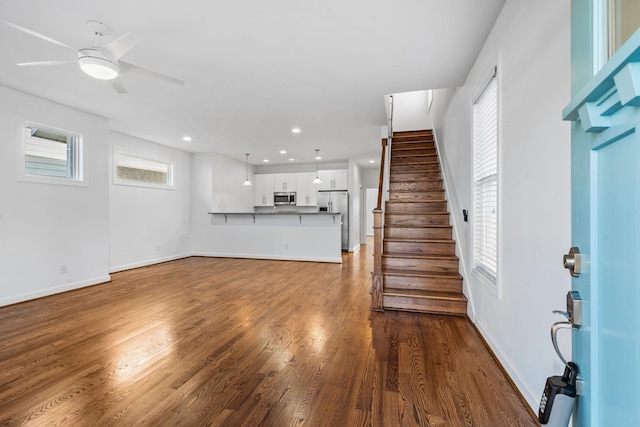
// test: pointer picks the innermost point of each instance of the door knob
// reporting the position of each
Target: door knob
(572, 262)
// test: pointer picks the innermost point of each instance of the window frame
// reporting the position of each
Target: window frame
(170, 185)
(487, 276)
(78, 175)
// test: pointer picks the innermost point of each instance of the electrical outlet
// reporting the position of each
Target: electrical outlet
(286, 246)
(158, 248)
(63, 268)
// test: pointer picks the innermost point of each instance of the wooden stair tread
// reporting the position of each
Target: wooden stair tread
(419, 179)
(428, 190)
(416, 180)
(418, 256)
(414, 293)
(409, 154)
(428, 132)
(425, 274)
(426, 162)
(417, 201)
(395, 239)
(417, 213)
(418, 226)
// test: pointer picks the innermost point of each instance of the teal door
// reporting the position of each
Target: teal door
(605, 162)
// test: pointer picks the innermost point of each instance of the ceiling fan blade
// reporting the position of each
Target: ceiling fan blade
(121, 45)
(44, 63)
(126, 67)
(36, 34)
(118, 85)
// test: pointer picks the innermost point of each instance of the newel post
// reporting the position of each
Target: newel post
(376, 287)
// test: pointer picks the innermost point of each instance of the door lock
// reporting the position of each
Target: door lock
(573, 261)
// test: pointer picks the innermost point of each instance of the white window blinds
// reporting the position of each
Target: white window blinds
(485, 182)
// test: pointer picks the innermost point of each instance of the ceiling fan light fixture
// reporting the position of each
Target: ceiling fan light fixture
(97, 65)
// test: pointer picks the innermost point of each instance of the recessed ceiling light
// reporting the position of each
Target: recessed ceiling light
(186, 138)
(283, 151)
(265, 161)
(292, 160)
(372, 161)
(295, 130)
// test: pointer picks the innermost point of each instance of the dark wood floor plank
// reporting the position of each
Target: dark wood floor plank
(232, 342)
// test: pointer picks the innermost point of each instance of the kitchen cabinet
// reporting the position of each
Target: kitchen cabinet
(307, 192)
(284, 182)
(333, 180)
(263, 190)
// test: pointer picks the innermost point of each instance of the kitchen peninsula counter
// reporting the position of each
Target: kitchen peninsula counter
(295, 236)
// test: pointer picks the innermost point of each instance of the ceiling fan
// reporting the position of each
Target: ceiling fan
(100, 62)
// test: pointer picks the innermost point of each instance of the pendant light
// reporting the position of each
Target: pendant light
(317, 180)
(246, 181)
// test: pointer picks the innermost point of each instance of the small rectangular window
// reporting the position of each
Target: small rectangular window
(51, 155)
(485, 182)
(135, 170)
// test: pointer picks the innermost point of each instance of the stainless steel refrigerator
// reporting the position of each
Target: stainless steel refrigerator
(333, 202)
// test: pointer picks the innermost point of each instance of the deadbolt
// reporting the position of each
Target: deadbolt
(572, 261)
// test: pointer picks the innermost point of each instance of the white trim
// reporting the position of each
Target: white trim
(53, 290)
(451, 195)
(484, 81)
(601, 49)
(81, 177)
(118, 181)
(153, 261)
(532, 396)
(273, 257)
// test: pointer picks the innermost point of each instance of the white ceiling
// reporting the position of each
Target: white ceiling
(253, 69)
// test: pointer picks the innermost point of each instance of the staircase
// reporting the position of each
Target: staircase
(419, 265)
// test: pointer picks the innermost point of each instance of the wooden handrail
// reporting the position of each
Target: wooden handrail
(377, 284)
(381, 180)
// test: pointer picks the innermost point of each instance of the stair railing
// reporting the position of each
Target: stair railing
(378, 215)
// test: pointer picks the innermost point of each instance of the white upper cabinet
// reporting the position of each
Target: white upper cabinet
(337, 180)
(307, 193)
(284, 182)
(263, 193)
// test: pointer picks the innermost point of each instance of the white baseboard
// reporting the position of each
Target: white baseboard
(532, 397)
(54, 290)
(273, 257)
(118, 268)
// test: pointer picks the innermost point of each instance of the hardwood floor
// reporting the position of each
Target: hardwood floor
(229, 342)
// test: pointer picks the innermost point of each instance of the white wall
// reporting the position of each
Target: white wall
(216, 186)
(410, 111)
(45, 226)
(149, 225)
(530, 44)
(370, 177)
(356, 205)
(371, 203)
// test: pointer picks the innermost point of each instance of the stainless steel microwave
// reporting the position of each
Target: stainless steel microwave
(284, 198)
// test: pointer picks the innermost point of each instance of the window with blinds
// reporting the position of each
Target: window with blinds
(140, 171)
(485, 182)
(51, 153)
